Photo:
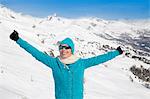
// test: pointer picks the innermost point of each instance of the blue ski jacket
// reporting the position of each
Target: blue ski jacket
(68, 82)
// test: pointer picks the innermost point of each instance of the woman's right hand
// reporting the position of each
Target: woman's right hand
(14, 35)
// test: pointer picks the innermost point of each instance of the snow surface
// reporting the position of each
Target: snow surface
(23, 77)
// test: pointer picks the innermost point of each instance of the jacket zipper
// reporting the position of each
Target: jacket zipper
(65, 66)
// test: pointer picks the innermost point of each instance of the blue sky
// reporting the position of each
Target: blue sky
(107, 9)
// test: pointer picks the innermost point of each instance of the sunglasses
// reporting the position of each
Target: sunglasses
(64, 47)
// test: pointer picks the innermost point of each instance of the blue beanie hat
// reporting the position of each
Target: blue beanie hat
(69, 42)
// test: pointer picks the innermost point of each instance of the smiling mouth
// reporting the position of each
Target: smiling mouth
(64, 53)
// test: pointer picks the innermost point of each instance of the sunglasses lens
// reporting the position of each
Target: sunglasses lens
(68, 47)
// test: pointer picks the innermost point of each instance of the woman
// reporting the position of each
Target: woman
(68, 70)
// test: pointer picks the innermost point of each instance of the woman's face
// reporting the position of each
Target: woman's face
(65, 51)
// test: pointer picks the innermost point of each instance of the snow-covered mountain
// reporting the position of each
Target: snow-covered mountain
(23, 77)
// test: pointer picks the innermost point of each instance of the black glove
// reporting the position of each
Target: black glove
(14, 36)
(119, 50)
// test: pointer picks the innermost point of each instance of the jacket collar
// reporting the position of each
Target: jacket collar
(70, 60)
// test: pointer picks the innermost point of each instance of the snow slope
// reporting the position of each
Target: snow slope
(23, 77)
